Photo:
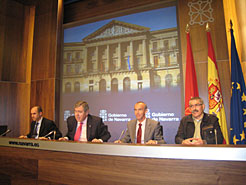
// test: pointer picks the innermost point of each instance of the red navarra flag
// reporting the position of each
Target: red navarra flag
(215, 98)
(191, 89)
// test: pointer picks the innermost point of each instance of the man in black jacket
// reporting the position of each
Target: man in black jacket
(85, 127)
(42, 128)
(198, 127)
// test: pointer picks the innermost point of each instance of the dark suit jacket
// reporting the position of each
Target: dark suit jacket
(46, 127)
(152, 132)
(208, 125)
(95, 128)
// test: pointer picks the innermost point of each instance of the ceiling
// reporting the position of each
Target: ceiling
(66, 2)
(27, 2)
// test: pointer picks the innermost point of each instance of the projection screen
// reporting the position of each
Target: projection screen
(116, 62)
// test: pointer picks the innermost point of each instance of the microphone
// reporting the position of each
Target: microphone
(215, 135)
(49, 133)
(121, 134)
(54, 136)
(6, 132)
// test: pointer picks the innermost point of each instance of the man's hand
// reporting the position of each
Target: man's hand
(193, 141)
(118, 141)
(197, 141)
(43, 138)
(97, 141)
(151, 142)
(63, 139)
(23, 137)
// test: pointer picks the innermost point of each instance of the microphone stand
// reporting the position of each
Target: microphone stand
(121, 134)
(6, 132)
(49, 133)
(215, 135)
(54, 136)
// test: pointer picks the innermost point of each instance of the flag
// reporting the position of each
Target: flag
(191, 89)
(128, 62)
(215, 98)
(238, 98)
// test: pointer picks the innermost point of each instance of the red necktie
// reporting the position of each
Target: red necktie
(139, 134)
(78, 132)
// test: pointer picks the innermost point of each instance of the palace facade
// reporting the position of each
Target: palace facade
(122, 57)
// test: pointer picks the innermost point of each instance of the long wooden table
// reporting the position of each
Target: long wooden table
(29, 161)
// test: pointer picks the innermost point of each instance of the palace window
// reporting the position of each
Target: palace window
(169, 80)
(76, 87)
(102, 85)
(114, 85)
(126, 84)
(69, 57)
(68, 87)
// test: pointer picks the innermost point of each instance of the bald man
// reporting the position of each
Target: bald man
(42, 128)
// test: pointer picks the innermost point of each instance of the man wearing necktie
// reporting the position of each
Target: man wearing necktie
(85, 127)
(142, 129)
(41, 128)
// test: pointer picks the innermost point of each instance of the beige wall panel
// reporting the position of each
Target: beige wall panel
(44, 51)
(46, 56)
(43, 94)
(15, 55)
(12, 68)
(14, 107)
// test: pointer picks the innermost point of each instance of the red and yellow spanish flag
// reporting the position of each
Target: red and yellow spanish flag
(191, 89)
(215, 98)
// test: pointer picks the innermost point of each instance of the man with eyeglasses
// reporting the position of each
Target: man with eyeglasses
(84, 126)
(198, 128)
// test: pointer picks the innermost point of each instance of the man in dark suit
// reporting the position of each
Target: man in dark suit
(85, 127)
(151, 131)
(198, 128)
(42, 128)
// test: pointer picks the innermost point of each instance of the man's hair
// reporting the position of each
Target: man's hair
(197, 98)
(39, 108)
(145, 106)
(83, 104)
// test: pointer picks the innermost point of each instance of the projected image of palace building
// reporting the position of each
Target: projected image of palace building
(122, 57)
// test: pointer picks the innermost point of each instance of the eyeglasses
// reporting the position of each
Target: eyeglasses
(78, 111)
(196, 105)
